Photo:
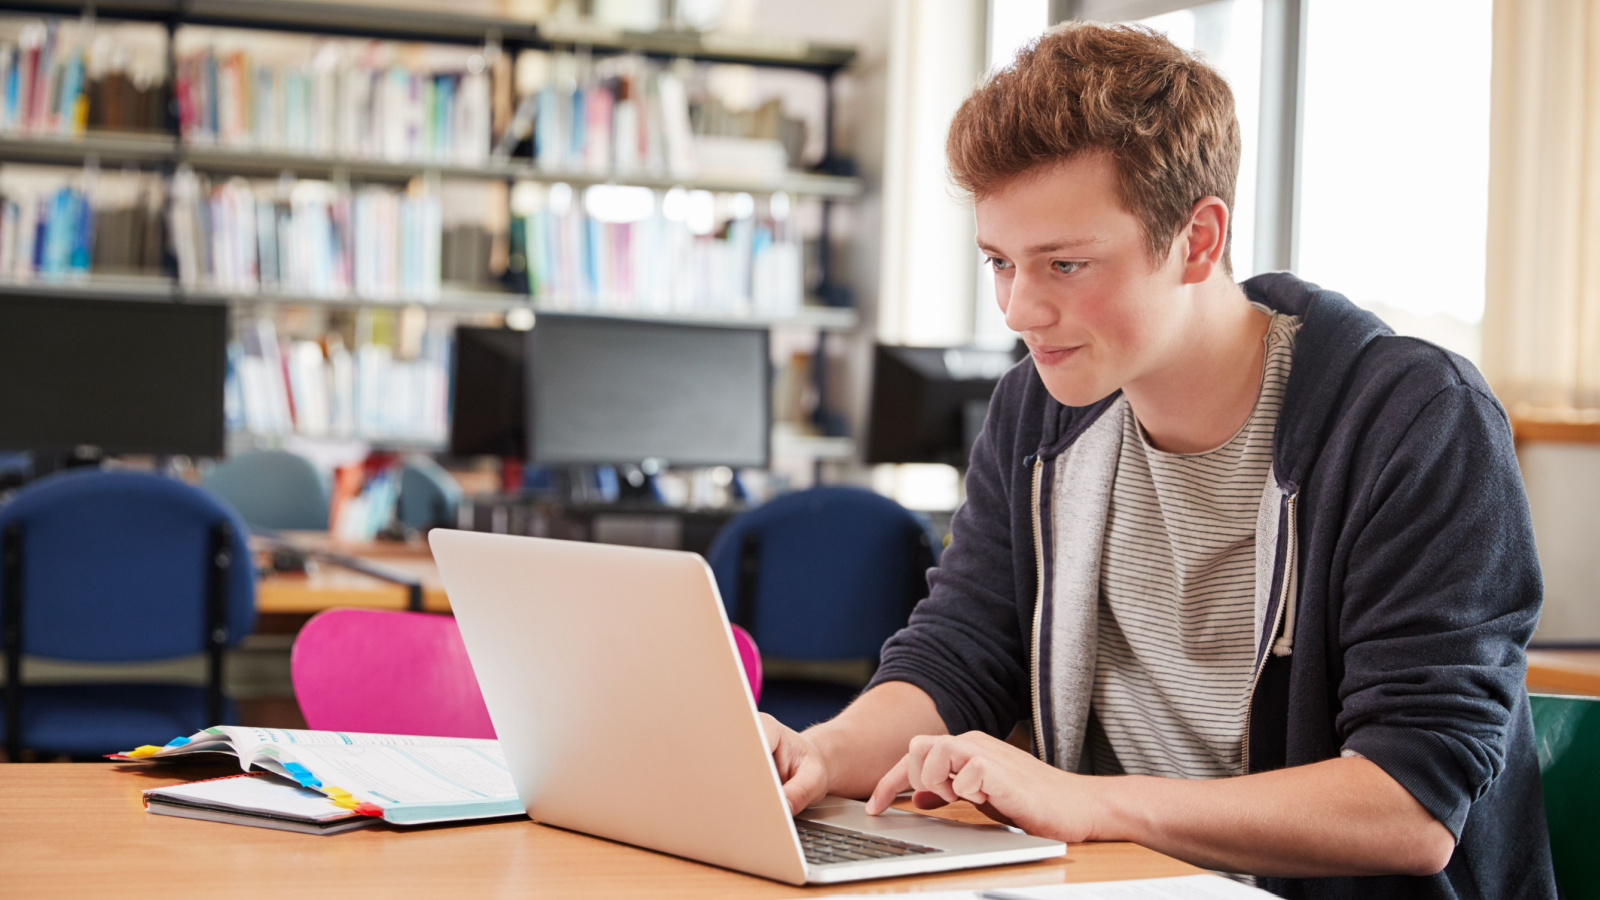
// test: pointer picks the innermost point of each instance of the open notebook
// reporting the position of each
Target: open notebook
(404, 779)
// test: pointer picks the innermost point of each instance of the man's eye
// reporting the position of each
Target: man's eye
(998, 263)
(1066, 267)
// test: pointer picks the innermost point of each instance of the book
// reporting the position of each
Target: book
(619, 248)
(354, 98)
(403, 779)
(259, 799)
(381, 389)
(62, 77)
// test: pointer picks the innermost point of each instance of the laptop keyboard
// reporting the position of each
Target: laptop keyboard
(829, 844)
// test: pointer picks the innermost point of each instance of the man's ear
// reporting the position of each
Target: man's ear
(1206, 239)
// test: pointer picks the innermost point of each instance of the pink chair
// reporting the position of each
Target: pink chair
(404, 673)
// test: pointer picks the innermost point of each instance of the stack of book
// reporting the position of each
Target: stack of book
(617, 114)
(306, 237)
(47, 223)
(624, 114)
(359, 99)
(612, 248)
(323, 388)
(64, 78)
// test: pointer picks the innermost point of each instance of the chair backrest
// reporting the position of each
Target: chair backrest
(834, 572)
(1567, 730)
(272, 489)
(387, 672)
(392, 672)
(116, 566)
(429, 495)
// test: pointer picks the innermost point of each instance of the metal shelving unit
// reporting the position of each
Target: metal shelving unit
(160, 149)
(160, 289)
(359, 20)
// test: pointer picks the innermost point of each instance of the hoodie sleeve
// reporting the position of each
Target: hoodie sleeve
(964, 645)
(1442, 591)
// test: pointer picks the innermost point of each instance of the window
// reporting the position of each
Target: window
(1227, 33)
(1394, 151)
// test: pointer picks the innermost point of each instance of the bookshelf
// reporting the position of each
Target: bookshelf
(158, 149)
(167, 152)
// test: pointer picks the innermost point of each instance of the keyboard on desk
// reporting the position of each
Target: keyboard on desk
(827, 844)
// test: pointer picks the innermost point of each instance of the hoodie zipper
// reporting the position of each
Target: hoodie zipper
(1289, 566)
(1038, 608)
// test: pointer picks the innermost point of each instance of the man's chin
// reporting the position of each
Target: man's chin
(1075, 392)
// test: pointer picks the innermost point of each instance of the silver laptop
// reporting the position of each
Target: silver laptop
(616, 691)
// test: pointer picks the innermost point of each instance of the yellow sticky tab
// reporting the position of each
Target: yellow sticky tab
(146, 750)
(345, 803)
(332, 791)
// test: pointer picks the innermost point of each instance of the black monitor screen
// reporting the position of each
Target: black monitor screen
(613, 391)
(124, 377)
(929, 403)
(487, 409)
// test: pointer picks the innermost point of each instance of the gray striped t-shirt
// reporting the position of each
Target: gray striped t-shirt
(1177, 595)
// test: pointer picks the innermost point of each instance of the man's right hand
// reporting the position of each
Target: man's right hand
(800, 764)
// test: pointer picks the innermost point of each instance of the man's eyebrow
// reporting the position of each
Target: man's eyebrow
(1050, 246)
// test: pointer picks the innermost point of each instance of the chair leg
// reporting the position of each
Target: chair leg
(11, 580)
(744, 611)
(219, 562)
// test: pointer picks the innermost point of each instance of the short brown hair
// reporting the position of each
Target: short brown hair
(1165, 118)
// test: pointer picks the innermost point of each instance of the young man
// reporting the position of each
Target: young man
(1255, 573)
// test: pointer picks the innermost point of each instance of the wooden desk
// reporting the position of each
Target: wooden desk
(1564, 672)
(79, 830)
(327, 586)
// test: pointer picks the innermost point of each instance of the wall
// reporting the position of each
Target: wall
(1563, 483)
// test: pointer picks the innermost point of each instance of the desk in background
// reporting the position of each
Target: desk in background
(296, 596)
(79, 830)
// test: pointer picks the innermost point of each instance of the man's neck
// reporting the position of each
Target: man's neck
(1203, 393)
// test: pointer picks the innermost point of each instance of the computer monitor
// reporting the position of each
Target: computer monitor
(112, 376)
(487, 406)
(612, 391)
(929, 403)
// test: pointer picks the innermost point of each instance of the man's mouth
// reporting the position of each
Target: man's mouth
(1047, 355)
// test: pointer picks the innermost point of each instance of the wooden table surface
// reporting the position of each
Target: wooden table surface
(79, 830)
(325, 586)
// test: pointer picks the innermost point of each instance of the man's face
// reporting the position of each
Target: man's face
(1073, 278)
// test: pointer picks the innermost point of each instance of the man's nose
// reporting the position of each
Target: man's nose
(1028, 308)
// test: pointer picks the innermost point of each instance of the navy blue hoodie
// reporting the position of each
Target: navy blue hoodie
(1402, 590)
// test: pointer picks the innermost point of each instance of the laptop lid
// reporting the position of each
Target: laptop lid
(614, 686)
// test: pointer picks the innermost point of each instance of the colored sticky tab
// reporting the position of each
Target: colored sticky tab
(302, 774)
(139, 752)
(177, 742)
(369, 809)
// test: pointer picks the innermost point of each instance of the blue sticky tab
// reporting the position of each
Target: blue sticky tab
(302, 775)
(177, 742)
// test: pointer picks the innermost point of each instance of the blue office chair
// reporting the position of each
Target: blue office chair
(826, 574)
(272, 489)
(429, 495)
(118, 567)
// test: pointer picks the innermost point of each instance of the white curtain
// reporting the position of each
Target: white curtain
(1541, 324)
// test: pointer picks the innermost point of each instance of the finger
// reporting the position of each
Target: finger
(916, 752)
(969, 782)
(770, 729)
(807, 786)
(889, 787)
(938, 768)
